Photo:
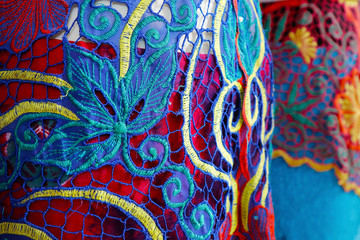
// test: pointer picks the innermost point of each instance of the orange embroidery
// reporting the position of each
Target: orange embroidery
(348, 105)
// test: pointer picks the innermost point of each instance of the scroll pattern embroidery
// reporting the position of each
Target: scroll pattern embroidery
(145, 125)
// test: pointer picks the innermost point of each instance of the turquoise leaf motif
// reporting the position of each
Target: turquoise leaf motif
(152, 84)
(233, 72)
(105, 107)
(249, 39)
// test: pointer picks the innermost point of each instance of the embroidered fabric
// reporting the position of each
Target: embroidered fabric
(144, 126)
(316, 67)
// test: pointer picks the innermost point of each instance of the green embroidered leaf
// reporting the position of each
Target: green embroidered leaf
(306, 18)
(303, 120)
(97, 136)
(150, 82)
(249, 39)
(71, 150)
(302, 106)
(267, 26)
(293, 92)
(88, 74)
(280, 26)
(232, 72)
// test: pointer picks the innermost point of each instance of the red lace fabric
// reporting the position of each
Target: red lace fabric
(104, 139)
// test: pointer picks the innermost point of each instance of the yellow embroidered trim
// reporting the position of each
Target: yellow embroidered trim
(253, 75)
(266, 186)
(248, 191)
(241, 120)
(218, 112)
(100, 195)
(341, 176)
(217, 27)
(126, 36)
(228, 203)
(254, 181)
(33, 76)
(186, 127)
(35, 107)
(238, 124)
(234, 220)
(351, 187)
(268, 135)
(350, 3)
(22, 230)
(301, 161)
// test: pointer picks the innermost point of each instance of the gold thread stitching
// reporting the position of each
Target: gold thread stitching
(186, 129)
(100, 195)
(33, 76)
(23, 230)
(217, 26)
(218, 107)
(35, 107)
(235, 218)
(254, 181)
(127, 33)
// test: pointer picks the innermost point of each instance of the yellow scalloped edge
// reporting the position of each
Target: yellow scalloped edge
(297, 162)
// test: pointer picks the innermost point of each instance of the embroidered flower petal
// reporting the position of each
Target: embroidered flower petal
(54, 15)
(19, 21)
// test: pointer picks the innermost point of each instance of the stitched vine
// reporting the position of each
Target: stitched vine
(26, 141)
(151, 140)
(185, 13)
(197, 222)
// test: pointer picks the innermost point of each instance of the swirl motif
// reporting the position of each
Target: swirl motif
(131, 32)
(152, 154)
(121, 103)
(97, 23)
(197, 220)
